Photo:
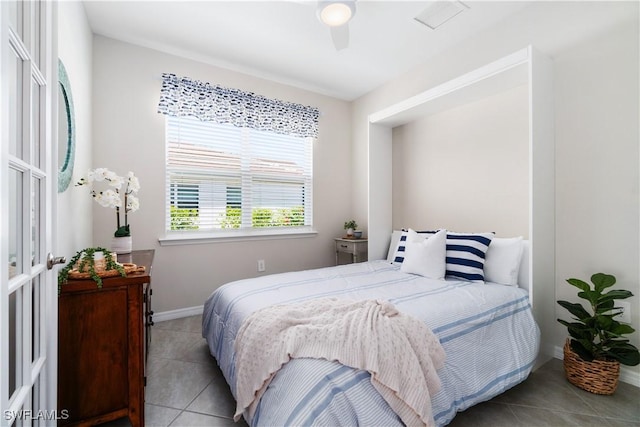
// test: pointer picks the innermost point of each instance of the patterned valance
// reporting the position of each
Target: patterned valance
(182, 96)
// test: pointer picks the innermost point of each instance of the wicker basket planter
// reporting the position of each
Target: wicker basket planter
(598, 376)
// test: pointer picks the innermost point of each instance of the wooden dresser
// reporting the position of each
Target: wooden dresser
(103, 338)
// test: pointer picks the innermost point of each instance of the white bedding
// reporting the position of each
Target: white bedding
(487, 330)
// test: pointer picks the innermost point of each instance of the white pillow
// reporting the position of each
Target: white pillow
(398, 255)
(425, 257)
(503, 260)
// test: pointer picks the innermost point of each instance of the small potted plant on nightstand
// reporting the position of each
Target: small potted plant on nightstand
(593, 355)
(350, 226)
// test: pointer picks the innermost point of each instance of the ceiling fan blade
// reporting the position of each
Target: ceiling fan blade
(340, 36)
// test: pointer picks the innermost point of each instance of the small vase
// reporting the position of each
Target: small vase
(99, 263)
(121, 245)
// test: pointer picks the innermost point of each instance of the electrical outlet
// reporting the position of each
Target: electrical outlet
(261, 266)
(625, 317)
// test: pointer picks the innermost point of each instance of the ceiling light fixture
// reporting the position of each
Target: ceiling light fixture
(336, 13)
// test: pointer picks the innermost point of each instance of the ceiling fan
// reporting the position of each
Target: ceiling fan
(336, 14)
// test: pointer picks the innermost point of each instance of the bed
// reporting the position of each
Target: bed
(487, 330)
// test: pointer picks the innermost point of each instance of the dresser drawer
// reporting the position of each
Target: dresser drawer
(347, 247)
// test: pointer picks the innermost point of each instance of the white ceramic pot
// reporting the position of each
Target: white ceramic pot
(121, 245)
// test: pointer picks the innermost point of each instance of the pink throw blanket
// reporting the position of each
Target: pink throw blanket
(400, 352)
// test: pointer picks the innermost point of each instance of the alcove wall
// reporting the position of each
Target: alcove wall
(525, 67)
(465, 169)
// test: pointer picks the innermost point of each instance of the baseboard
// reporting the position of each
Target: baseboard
(178, 314)
(558, 352)
(627, 375)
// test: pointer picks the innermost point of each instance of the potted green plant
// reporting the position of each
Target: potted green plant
(597, 347)
(84, 262)
(350, 226)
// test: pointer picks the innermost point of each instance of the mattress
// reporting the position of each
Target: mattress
(487, 331)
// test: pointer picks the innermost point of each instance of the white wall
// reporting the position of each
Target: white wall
(595, 50)
(597, 164)
(463, 170)
(75, 40)
(129, 135)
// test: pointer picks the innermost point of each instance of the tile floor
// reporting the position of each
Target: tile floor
(186, 388)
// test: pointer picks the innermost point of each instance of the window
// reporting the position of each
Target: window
(237, 162)
(226, 178)
(184, 196)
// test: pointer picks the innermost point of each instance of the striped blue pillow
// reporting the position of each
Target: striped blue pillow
(398, 257)
(466, 254)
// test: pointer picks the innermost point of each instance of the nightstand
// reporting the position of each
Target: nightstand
(357, 248)
(102, 343)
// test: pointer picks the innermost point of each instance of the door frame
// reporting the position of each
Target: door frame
(41, 373)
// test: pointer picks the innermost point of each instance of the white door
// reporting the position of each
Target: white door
(28, 291)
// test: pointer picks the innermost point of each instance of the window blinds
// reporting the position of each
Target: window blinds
(223, 177)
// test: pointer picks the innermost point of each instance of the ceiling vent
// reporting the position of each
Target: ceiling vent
(439, 12)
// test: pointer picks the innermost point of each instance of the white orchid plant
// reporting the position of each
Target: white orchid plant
(111, 197)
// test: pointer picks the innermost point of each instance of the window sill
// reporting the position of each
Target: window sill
(196, 238)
